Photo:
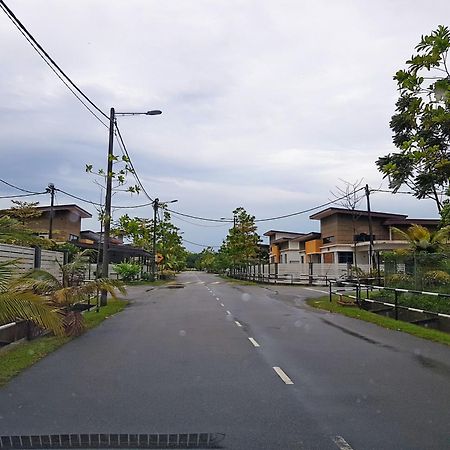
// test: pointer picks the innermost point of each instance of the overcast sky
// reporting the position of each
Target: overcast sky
(266, 104)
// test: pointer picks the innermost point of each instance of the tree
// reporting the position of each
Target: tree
(349, 196)
(66, 294)
(23, 211)
(168, 239)
(421, 123)
(241, 244)
(421, 239)
(16, 303)
(13, 232)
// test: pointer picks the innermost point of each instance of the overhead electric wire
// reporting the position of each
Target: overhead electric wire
(41, 52)
(200, 245)
(19, 188)
(22, 195)
(131, 163)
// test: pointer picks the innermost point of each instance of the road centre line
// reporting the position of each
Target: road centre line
(253, 342)
(280, 372)
(222, 305)
(237, 323)
(228, 312)
(218, 299)
(342, 443)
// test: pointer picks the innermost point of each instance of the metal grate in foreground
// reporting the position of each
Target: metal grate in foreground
(105, 441)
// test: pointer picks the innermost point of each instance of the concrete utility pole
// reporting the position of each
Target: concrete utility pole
(51, 191)
(107, 212)
(155, 216)
(369, 216)
(108, 195)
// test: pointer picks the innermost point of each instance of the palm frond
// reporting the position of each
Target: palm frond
(28, 306)
(6, 273)
(38, 281)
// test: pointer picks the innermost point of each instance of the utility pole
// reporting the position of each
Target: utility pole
(51, 191)
(155, 216)
(107, 212)
(369, 216)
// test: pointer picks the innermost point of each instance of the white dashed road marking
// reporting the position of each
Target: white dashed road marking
(282, 375)
(342, 443)
(222, 305)
(237, 323)
(218, 299)
(228, 312)
(253, 342)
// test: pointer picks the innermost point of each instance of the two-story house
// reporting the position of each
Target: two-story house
(66, 224)
(345, 233)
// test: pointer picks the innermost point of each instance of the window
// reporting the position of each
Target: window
(362, 237)
(302, 259)
(329, 239)
(285, 258)
(73, 237)
(345, 257)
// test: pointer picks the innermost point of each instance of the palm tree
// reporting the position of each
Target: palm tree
(421, 239)
(16, 303)
(68, 294)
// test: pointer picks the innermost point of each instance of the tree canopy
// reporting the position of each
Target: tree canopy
(421, 123)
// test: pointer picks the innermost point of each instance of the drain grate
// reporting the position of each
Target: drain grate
(100, 441)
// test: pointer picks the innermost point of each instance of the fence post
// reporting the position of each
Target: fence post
(310, 275)
(396, 304)
(331, 295)
(37, 257)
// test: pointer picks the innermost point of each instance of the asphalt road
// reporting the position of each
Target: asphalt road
(182, 361)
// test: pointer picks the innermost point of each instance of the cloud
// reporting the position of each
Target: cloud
(265, 104)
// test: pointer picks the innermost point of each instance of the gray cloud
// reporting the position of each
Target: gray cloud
(266, 104)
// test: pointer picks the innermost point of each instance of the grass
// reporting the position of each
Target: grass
(23, 355)
(240, 282)
(385, 322)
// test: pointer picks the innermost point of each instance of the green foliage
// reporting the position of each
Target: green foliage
(127, 271)
(421, 124)
(13, 232)
(436, 278)
(23, 211)
(399, 280)
(168, 239)
(423, 240)
(241, 244)
(25, 304)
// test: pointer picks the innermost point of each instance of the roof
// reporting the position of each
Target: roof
(118, 248)
(331, 211)
(307, 237)
(273, 232)
(72, 208)
(435, 222)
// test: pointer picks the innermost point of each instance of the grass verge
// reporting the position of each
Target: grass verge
(385, 322)
(23, 355)
(240, 282)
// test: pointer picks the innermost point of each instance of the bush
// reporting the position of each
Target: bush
(128, 271)
(436, 278)
(400, 280)
(167, 275)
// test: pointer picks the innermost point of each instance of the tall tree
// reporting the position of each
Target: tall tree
(23, 211)
(241, 244)
(421, 123)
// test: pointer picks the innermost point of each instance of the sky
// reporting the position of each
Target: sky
(268, 105)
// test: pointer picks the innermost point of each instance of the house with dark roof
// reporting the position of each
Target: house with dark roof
(66, 222)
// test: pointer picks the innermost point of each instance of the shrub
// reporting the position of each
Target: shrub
(436, 278)
(127, 271)
(400, 280)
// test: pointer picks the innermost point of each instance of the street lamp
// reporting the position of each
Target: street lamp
(108, 195)
(156, 205)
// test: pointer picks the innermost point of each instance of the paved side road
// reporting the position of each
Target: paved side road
(252, 362)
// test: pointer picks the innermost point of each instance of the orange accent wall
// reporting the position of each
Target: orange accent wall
(313, 246)
(275, 252)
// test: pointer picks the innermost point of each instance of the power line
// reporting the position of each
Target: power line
(19, 188)
(131, 163)
(22, 195)
(200, 245)
(52, 64)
